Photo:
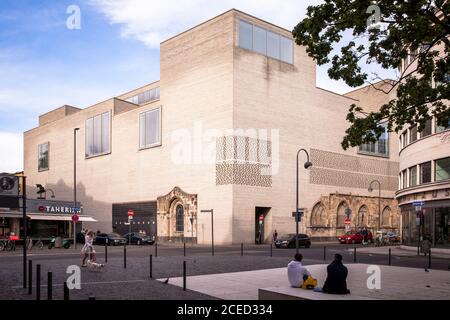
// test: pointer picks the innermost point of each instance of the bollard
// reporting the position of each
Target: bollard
(242, 249)
(106, 251)
(38, 282)
(271, 250)
(66, 291)
(184, 275)
(151, 267)
(184, 249)
(30, 276)
(124, 256)
(324, 253)
(49, 286)
(389, 256)
(354, 254)
(429, 259)
(156, 250)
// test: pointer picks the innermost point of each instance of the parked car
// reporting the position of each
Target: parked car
(139, 239)
(354, 236)
(113, 239)
(288, 241)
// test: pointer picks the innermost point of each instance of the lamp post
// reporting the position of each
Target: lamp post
(307, 165)
(75, 184)
(379, 200)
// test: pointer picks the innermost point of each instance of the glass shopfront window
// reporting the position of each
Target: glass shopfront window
(442, 219)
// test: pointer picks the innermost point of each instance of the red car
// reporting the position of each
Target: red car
(355, 237)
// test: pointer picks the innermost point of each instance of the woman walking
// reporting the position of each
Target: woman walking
(88, 248)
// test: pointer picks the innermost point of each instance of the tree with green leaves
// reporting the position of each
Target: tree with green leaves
(419, 28)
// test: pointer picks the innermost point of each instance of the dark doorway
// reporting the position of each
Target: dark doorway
(260, 217)
(144, 218)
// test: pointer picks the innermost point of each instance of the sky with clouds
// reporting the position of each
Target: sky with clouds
(44, 65)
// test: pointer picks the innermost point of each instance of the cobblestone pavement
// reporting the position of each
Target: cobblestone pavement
(116, 282)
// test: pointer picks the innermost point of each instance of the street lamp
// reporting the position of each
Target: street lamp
(75, 184)
(379, 200)
(307, 165)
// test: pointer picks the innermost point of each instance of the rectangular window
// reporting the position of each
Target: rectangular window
(150, 128)
(427, 130)
(412, 134)
(413, 176)
(43, 156)
(259, 40)
(404, 139)
(245, 35)
(286, 53)
(404, 179)
(443, 128)
(146, 96)
(265, 42)
(273, 45)
(442, 169)
(381, 147)
(98, 135)
(425, 172)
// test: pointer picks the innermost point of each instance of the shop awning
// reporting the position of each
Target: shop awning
(54, 217)
(6, 214)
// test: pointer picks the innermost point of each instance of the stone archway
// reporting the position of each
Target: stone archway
(183, 203)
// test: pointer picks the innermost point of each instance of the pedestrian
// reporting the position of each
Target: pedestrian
(365, 235)
(88, 248)
(297, 273)
(336, 282)
(275, 236)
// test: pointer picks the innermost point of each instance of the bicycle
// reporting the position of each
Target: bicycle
(6, 245)
(38, 244)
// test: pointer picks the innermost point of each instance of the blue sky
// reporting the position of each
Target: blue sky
(44, 65)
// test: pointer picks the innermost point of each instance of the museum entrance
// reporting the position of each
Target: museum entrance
(260, 217)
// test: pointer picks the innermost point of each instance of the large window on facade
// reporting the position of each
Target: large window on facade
(150, 128)
(386, 217)
(363, 215)
(427, 130)
(380, 147)
(146, 96)
(340, 221)
(413, 176)
(179, 218)
(443, 128)
(404, 179)
(425, 172)
(98, 134)
(43, 156)
(265, 42)
(413, 134)
(319, 215)
(442, 169)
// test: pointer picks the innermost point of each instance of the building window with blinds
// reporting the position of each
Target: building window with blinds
(150, 128)
(43, 150)
(98, 135)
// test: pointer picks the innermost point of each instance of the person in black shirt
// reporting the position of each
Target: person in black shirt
(336, 282)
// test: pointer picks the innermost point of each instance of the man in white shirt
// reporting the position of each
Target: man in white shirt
(297, 273)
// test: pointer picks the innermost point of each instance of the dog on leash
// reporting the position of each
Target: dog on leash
(94, 266)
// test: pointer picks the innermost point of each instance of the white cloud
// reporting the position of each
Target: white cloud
(155, 21)
(11, 152)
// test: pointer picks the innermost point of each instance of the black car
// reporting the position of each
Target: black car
(138, 239)
(288, 241)
(112, 239)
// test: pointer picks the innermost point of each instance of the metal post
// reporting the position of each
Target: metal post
(242, 249)
(125, 256)
(429, 259)
(379, 205)
(38, 282)
(389, 256)
(66, 291)
(271, 249)
(324, 253)
(212, 230)
(156, 249)
(30, 276)
(184, 275)
(184, 249)
(25, 229)
(296, 206)
(75, 185)
(354, 254)
(151, 267)
(49, 286)
(106, 250)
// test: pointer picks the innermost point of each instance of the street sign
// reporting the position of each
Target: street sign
(300, 214)
(347, 222)
(418, 203)
(75, 218)
(9, 185)
(261, 217)
(130, 214)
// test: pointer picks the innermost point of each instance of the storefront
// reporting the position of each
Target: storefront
(45, 218)
(431, 221)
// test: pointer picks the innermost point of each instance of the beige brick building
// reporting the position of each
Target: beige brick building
(220, 130)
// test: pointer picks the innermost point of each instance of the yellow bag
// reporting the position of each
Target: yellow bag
(310, 283)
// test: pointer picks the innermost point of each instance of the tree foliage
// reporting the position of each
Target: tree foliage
(420, 28)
